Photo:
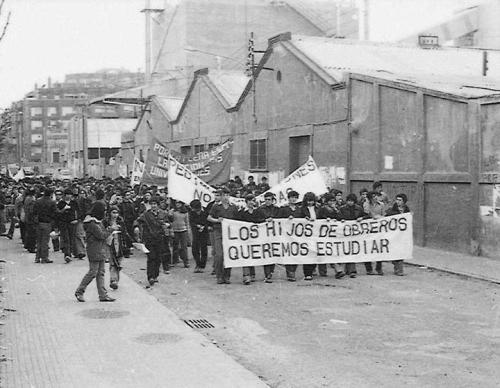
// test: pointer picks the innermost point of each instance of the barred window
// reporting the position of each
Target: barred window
(258, 154)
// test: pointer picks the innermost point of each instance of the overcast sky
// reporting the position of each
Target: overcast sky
(56, 37)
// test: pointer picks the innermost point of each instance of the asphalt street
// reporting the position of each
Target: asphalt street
(426, 329)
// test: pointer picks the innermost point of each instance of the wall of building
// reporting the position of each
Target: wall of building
(431, 147)
(196, 26)
(295, 109)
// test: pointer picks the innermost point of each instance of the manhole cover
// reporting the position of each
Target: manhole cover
(158, 338)
(198, 324)
(103, 314)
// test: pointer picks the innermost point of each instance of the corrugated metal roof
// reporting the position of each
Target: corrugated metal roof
(107, 133)
(338, 56)
(230, 84)
(468, 87)
(138, 93)
(448, 70)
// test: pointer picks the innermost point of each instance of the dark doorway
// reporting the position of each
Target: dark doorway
(300, 149)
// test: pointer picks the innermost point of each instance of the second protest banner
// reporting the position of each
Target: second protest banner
(299, 241)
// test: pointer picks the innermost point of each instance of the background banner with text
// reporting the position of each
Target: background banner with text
(298, 241)
(184, 185)
(306, 178)
(213, 166)
(156, 166)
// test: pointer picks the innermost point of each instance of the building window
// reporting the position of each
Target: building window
(55, 157)
(258, 154)
(36, 111)
(199, 148)
(36, 137)
(141, 156)
(51, 111)
(67, 110)
(36, 124)
(185, 150)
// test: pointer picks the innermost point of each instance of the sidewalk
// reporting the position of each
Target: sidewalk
(461, 264)
(51, 340)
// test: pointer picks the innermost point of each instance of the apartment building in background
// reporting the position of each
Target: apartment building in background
(41, 119)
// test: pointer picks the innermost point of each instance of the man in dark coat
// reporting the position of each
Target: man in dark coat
(351, 211)
(199, 231)
(45, 212)
(154, 224)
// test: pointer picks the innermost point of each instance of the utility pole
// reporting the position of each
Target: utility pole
(85, 140)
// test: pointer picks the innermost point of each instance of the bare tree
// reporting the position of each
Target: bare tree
(6, 22)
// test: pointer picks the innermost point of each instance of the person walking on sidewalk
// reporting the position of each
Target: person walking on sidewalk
(96, 240)
(45, 212)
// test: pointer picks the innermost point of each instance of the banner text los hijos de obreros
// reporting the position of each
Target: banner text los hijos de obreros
(299, 241)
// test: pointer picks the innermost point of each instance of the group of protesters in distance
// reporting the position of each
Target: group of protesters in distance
(105, 219)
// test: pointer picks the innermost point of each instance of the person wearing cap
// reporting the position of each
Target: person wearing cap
(250, 214)
(219, 211)
(199, 231)
(154, 224)
(269, 211)
(291, 210)
(96, 235)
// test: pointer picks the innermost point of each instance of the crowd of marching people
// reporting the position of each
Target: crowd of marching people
(106, 220)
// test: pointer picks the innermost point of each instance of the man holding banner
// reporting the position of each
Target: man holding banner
(219, 212)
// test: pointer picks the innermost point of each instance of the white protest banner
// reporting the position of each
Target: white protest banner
(306, 178)
(298, 241)
(184, 185)
(137, 172)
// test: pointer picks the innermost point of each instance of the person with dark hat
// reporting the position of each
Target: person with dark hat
(96, 241)
(199, 232)
(154, 224)
(291, 210)
(219, 211)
